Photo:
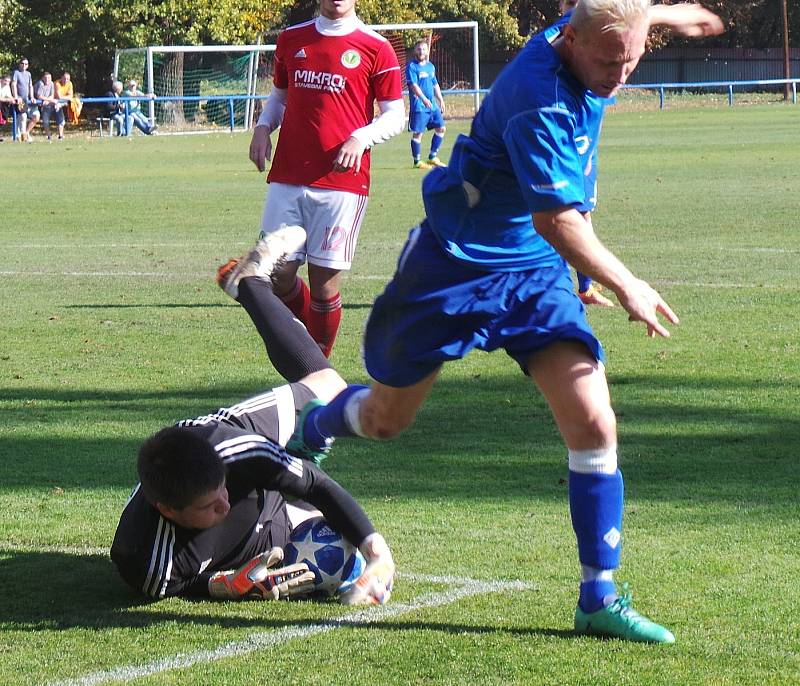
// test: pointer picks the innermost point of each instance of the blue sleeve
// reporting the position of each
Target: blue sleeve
(545, 159)
(590, 185)
(411, 74)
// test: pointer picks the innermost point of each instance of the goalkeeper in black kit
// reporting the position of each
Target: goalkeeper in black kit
(210, 516)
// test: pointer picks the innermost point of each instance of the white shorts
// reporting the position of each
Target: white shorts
(331, 219)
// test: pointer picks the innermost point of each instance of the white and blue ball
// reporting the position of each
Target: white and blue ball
(336, 563)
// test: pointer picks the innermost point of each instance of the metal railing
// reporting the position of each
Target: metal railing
(729, 85)
(127, 112)
(231, 100)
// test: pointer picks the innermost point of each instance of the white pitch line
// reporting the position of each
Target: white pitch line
(725, 285)
(80, 550)
(464, 588)
(41, 272)
(778, 251)
(184, 276)
(399, 244)
(81, 246)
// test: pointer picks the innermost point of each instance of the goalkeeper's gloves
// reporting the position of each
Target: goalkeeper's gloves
(374, 586)
(261, 579)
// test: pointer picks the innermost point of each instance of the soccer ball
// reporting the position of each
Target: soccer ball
(336, 563)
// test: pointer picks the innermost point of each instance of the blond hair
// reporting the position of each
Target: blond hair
(609, 15)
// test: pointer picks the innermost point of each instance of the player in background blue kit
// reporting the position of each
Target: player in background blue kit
(426, 106)
(488, 269)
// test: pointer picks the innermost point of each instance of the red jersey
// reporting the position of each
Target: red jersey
(333, 82)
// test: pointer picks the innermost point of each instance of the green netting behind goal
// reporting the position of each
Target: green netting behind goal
(198, 75)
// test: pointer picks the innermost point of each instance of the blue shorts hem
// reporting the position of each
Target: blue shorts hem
(418, 122)
(436, 309)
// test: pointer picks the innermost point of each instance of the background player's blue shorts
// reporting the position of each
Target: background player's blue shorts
(437, 309)
(419, 121)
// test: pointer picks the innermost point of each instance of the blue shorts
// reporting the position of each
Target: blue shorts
(436, 309)
(419, 121)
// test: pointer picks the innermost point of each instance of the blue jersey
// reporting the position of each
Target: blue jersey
(424, 76)
(531, 148)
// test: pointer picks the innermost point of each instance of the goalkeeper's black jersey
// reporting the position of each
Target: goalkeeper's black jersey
(160, 558)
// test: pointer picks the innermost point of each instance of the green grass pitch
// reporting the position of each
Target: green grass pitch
(112, 327)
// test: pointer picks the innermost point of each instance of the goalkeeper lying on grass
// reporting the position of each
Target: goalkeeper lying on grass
(209, 517)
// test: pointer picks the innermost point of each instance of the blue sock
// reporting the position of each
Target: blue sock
(416, 150)
(436, 143)
(583, 282)
(328, 421)
(595, 503)
(593, 593)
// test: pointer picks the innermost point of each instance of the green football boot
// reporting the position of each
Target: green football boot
(620, 620)
(297, 444)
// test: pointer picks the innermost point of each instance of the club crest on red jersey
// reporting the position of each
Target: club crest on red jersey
(351, 59)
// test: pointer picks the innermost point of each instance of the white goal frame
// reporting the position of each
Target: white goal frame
(473, 25)
(254, 50)
(252, 66)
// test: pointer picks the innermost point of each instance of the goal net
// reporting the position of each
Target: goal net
(453, 51)
(212, 88)
(199, 88)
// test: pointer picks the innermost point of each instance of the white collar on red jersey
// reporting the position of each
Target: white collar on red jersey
(337, 27)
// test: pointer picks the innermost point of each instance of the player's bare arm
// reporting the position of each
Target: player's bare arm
(437, 92)
(260, 147)
(270, 119)
(574, 239)
(686, 19)
(418, 92)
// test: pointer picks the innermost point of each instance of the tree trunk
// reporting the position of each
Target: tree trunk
(170, 80)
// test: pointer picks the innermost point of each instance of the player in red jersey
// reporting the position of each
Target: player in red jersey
(329, 73)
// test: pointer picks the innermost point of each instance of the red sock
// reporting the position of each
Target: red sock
(298, 300)
(323, 321)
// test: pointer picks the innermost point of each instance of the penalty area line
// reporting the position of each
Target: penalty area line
(168, 275)
(461, 588)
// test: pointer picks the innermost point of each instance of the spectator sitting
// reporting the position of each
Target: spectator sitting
(115, 109)
(7, 100)
(45, 94)
(135, 111)
(72, 109)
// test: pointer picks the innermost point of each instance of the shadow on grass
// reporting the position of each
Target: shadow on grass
(84, 592)
(71, 591)
(476, 438)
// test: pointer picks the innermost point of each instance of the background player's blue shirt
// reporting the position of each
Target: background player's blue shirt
(424, 76)
(531, 149)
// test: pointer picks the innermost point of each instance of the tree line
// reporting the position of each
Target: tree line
(80, 36)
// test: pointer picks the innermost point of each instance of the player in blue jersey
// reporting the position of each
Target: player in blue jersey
(488, 269)
(589, 292)
(426, 106)
(685, 19)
